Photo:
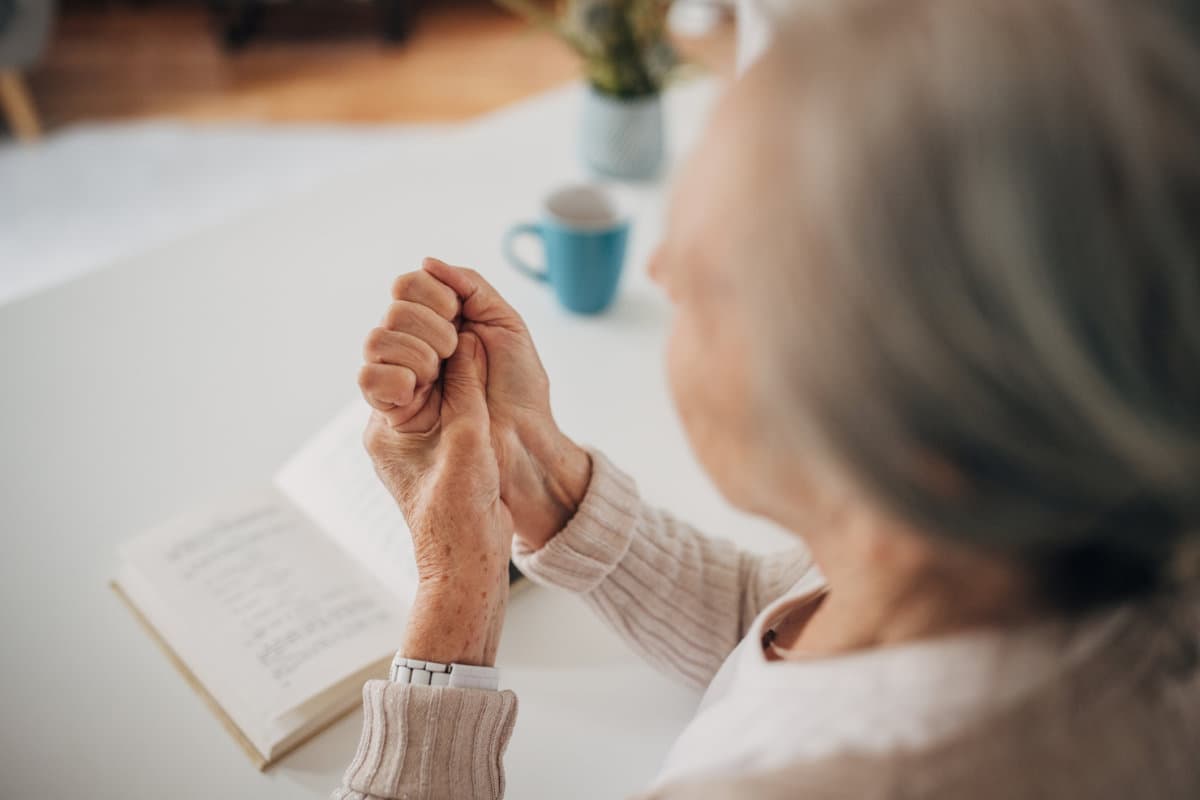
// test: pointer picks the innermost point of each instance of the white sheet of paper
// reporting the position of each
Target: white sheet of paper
(263, 607)
(331, 479)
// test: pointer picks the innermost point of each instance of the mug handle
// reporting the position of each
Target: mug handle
(523, 229)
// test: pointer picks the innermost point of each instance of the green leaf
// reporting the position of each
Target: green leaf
(623, 43)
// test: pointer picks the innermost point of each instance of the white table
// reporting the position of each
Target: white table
(177, 376)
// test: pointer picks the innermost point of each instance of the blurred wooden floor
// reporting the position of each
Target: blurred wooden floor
(117, 61)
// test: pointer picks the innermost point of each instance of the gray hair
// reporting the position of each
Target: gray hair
(998, 332)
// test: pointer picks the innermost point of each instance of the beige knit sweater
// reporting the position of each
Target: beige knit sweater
(1123, 724)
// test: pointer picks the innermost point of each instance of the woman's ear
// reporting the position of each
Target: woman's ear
(938, 476)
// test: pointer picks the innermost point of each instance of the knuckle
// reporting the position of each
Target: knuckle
(399, 316)
(403, 285)
(375, 344)
(448, 301)
(367, 378)
(430, 360)
(465, 438)
(447, 340)
(407, 379)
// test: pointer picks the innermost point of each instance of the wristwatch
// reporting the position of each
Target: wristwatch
(456, 676)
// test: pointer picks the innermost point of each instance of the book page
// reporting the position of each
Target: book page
(264, 608)
(332, 480)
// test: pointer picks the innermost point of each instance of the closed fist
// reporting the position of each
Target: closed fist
(430, 441)
(401, 376)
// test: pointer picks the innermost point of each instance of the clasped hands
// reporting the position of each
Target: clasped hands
(462, 436)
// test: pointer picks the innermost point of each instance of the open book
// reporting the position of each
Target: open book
(278, 604)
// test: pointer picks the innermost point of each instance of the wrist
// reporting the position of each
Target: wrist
(456, 623)
(565, 471)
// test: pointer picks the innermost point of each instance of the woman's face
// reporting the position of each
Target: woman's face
(700, 266)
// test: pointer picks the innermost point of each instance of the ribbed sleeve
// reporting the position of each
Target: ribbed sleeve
(681, 599)
(580, 556)
(430, 743)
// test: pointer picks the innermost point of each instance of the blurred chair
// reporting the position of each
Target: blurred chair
(238, 21)
(24, 28)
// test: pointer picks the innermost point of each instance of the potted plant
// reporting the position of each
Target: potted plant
(627, 60)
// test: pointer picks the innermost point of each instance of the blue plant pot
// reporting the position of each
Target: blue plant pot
(622, 138)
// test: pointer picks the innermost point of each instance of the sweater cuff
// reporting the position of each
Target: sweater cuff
(580, 556)
(423, 742)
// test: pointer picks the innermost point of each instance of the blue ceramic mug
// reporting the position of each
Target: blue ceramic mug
(584, 240)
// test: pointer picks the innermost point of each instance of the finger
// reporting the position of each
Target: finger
(400, 417)
(385, 386)
(464, 386)
(480, 301)
(421, 287)
(424, 323)
(403, 350)
(380, 437)
(422, 415)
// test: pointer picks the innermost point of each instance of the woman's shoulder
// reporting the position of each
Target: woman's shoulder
(1125, 722)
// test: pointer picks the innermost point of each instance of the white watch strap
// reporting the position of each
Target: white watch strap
(430, 673)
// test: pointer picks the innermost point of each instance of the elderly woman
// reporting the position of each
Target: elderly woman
(936, 269)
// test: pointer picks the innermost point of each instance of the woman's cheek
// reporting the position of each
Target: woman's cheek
(693, 388)
(681, 367)
(706, 371)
